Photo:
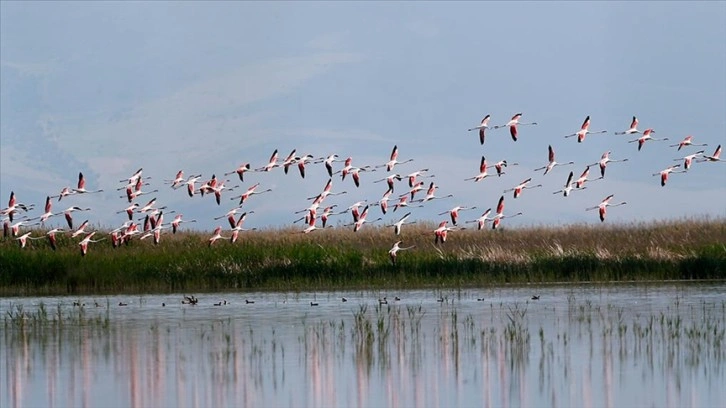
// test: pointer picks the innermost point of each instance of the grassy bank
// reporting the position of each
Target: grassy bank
(338, 259)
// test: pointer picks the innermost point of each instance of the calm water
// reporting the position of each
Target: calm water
(617, 345)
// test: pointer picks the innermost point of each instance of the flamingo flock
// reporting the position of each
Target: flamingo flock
(408, 189)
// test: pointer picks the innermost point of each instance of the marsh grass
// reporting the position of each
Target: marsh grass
(281, 259)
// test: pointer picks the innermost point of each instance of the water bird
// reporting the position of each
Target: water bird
(602, 207)
(513, 124)
(584, 130)
(633, 128)
(482, 128)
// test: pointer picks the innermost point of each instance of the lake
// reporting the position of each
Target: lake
(613, 345)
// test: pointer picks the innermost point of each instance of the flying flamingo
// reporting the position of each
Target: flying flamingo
(82, 186)
(394, 160)
(25, 237)
(190, 184)
(483, 126)
(329, 163)
(355, 174)
(568, 186)
(250, 192)
(499, 166)
(148, 207)
(513, 123)
(393, 252)
(178, 180)
(687, 141)
(155, 232)
(403, 202)
(665, 172)
(500, 214)
(87, 240)
(48, 211)
(483, 173)
(66, 191)
(230, 216)
(688, 160)
(217, 235)
(327, 213)
(646, 136)
(363, 218)
(81, 230)
(482, 221)
(415, 189)
(552, 162)
(633, 128)
(208, 186)
(177, 221)
(521, 186)
(69, 218)
(134, 177)
(14, 206)
(716, 157)
(218, 190)
(584, 130)
(389, 180)
(289, 160)
(241, 170)
(15, 228)
(441, 232)
(302, 161)
(129, 210)
(583, 178)
(454, 212)
(430, 194)
(131, 194)
(326, 191)
(604, 160)
(354, 210)
(398, 224)
(383, 202)
(416, 174)
(271, 164)
(51, 237)
(602, 207)
(238, 228)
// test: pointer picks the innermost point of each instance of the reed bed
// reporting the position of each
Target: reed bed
(337, 258)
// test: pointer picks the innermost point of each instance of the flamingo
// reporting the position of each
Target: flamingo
(348, 164)
(394, 160)
(393, 252)
(271, 164)
(148, 207)
(390, 180)
(716, 157)
(48, 211)
(51, 237)
(69, 218)
(81, 230)
(688, 160)
(237, 228)
(499, 166)
(14, 206)
(82, 186)
(667, 171)
(132, 194)
(327, 213)
(217, 235)
(329, 163)
(289, 160)
(552, 162)
(155, 232)
(569, 185)
(355, 174)
(398, 224)
(646, 136)
(416, 174)
(249, 193)
(66, 191)
(430, 194)
(87, 240)
(499, 216)
(483, 173)
(178, 220)
(218, 190)
(583, 178)
(604, 160)
(482, 220)
(190, 184)
(15, 228)
(362, 219)
(454, 212)
(633, 128)
(134, 177)
(483, 126)
(129, 210)
(602, 207)
(403, 202)
(230, 216)
(687, 141)
(354, 210)
(23, 239)
(513, 123)
(326, 191)
(178, 180)
(521, 186)
(383, 202)
(241, 170)
(441, 232)
(302, 161)
(584, 130)
(415, 189)
(208, 186)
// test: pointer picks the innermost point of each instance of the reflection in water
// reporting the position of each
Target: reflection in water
(577, 347)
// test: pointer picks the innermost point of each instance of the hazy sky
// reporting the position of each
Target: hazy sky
(105, 88)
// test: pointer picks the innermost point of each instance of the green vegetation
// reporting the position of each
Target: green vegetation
(337, 259)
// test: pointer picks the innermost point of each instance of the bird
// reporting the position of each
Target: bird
(521, 186)
(383, 202)
(48, 212)
(326, 191)
(430, 194)
(271, 164)
(66, 191)
(483, 126)
(482, 220)
(389, 180)
(217, 190)
(687, 141)
(633, 128)
(132, 194)
(403, 202)
(329, 163)
(238, 228)
(355, 174)
(134, 177)
(715, 157)
(688, 160)
(216, 235)
(584, 131)
(87, 240)
(51, 237)
(604, 160)
(416, 174)
(81, 189)
(580, 182)
(178, 180)
(513, 124)
(289, 160)
(67, 213)
(393, 160)
(602, 207)
(482, 171)
(81, 230)
(499, 216)
(23, 239)
(14, 206)
(241, 170)
(552, 162)
(230, 216)
(569, 185)
(129, 210)
(190, 184)
(302, 161)
(362, 218)
(499, 166)
(442, 232)
(393, 252)
(646, 136)
(250, 192)
(415, 189)
(398, 224)
(454, 212)
(666, 172)
(178, 220)
(353, 208)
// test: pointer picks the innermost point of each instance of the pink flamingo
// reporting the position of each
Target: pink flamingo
(87, 240)
(687, 141)
(241, 170)
(82, 186)
(602, 207)
(569, 185)
(393, 252)
(633, 128)
(584, 130)
(398, 224)
(483, 173)
(513, 124)
(666, 172)
(521, 186)
(178, 220)
(716, 157)
(552, 162)
(499, 216)
(482, 220)
(646, 136)
(483, 126)
(67, 213)
(688, 160)
(271, 164)
(454, 212)
(604, 160)
(216, 235)
(394, 160)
